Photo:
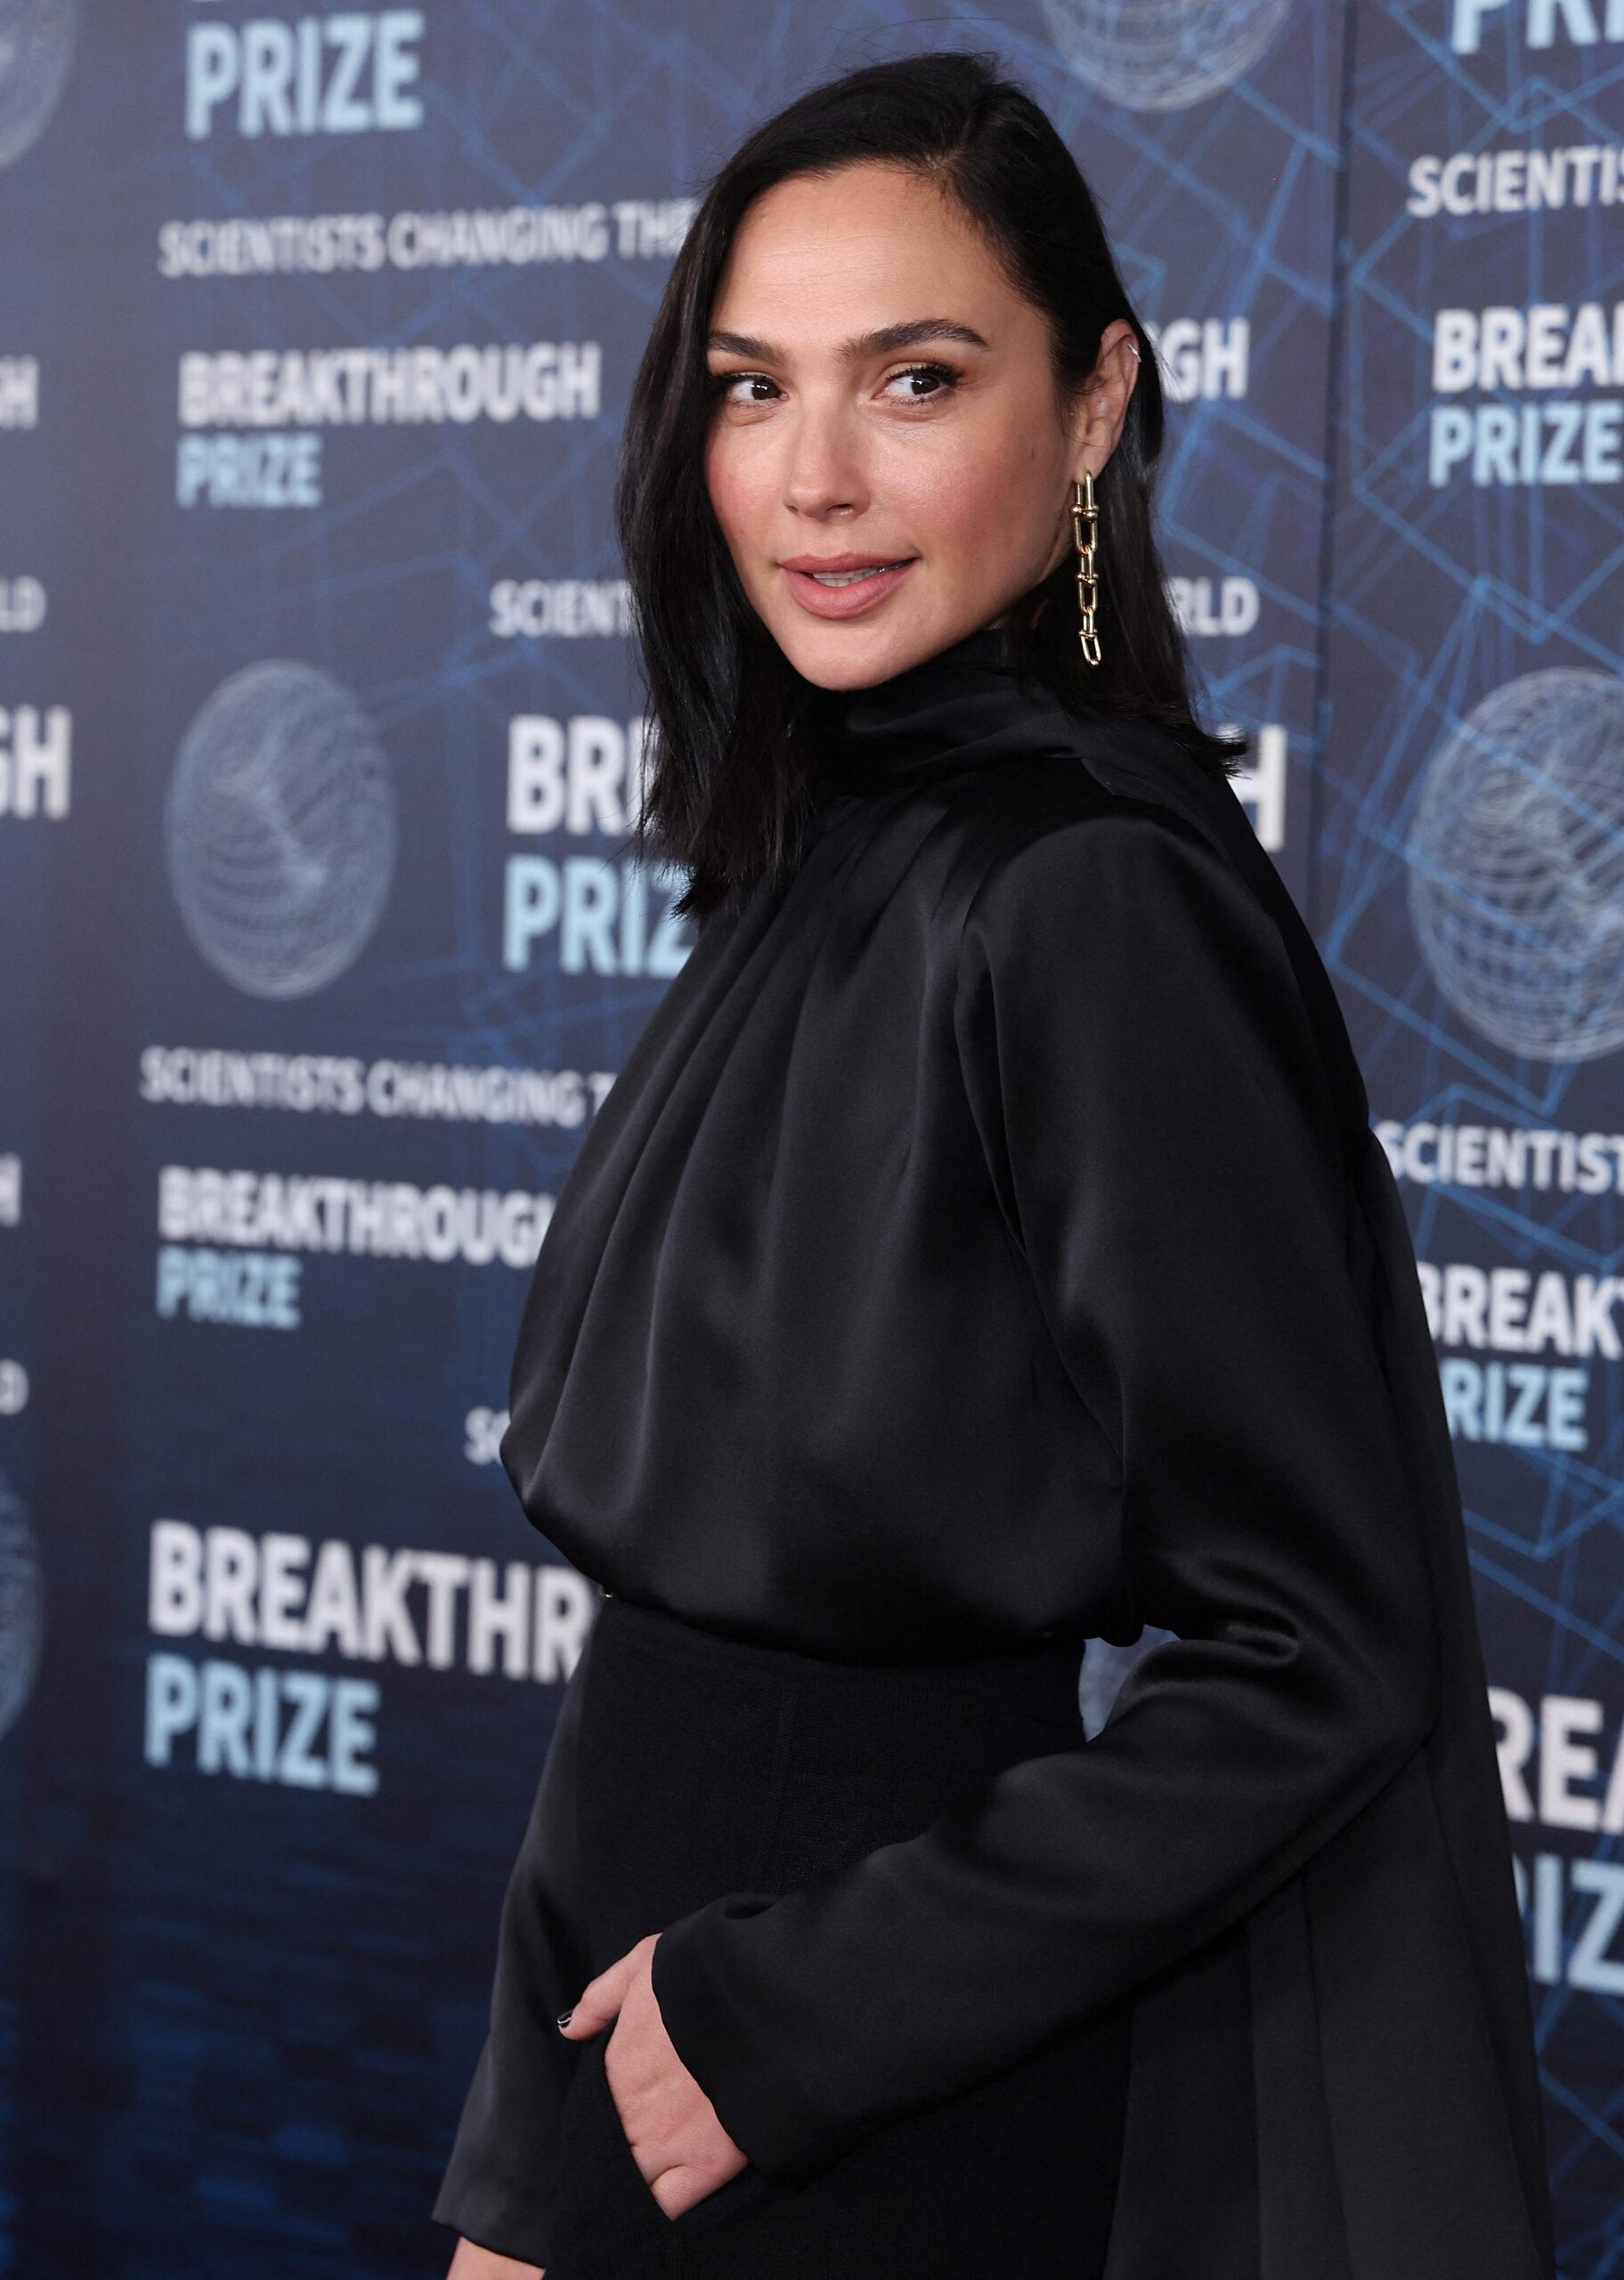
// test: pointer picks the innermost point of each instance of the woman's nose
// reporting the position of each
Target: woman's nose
(823, 473)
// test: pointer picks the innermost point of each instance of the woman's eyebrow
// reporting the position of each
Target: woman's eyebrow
(881, 342)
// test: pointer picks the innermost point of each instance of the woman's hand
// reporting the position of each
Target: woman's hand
(671, 2125)
(473, 2263)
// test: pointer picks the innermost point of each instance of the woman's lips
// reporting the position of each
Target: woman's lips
(846, 601)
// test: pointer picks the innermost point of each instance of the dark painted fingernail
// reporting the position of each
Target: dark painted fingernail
(565, 2016)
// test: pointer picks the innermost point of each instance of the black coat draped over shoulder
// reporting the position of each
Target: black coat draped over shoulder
(986, 1236)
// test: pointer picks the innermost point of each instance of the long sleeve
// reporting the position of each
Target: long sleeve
(1161, 1145)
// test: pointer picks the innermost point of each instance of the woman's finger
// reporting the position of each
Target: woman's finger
(599, 2000)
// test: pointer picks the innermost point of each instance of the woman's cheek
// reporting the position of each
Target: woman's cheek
(735, 503)
(963, 507)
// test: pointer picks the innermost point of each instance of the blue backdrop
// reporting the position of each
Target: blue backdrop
(320, 942)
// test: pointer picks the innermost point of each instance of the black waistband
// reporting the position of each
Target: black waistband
(1040, 1667)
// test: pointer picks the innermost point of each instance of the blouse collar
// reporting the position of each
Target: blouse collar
(968, 706)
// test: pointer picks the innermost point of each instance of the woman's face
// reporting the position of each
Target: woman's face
(885, 402)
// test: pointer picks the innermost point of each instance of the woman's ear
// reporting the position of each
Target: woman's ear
(1102, 403)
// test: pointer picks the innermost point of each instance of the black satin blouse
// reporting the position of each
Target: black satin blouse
(943, 1199)
(971, 1247)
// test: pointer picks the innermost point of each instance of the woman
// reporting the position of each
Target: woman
(983, 1249)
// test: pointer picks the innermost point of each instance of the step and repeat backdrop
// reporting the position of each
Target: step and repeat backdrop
(321, 943)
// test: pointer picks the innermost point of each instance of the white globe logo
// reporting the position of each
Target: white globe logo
(21, 1622)
(281, 829)
(37, 38)
(1163, 55)
(1516, 855)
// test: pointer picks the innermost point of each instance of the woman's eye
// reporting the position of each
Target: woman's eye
(725, 383)
(932, 380)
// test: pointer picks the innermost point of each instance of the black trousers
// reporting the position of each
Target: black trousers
(684, 1765)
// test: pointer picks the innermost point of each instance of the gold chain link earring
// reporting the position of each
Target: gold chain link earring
(1084, 511)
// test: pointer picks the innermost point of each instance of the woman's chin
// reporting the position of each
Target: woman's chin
(854, 652)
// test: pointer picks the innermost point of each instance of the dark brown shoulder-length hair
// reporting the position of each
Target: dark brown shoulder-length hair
(731, 778)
